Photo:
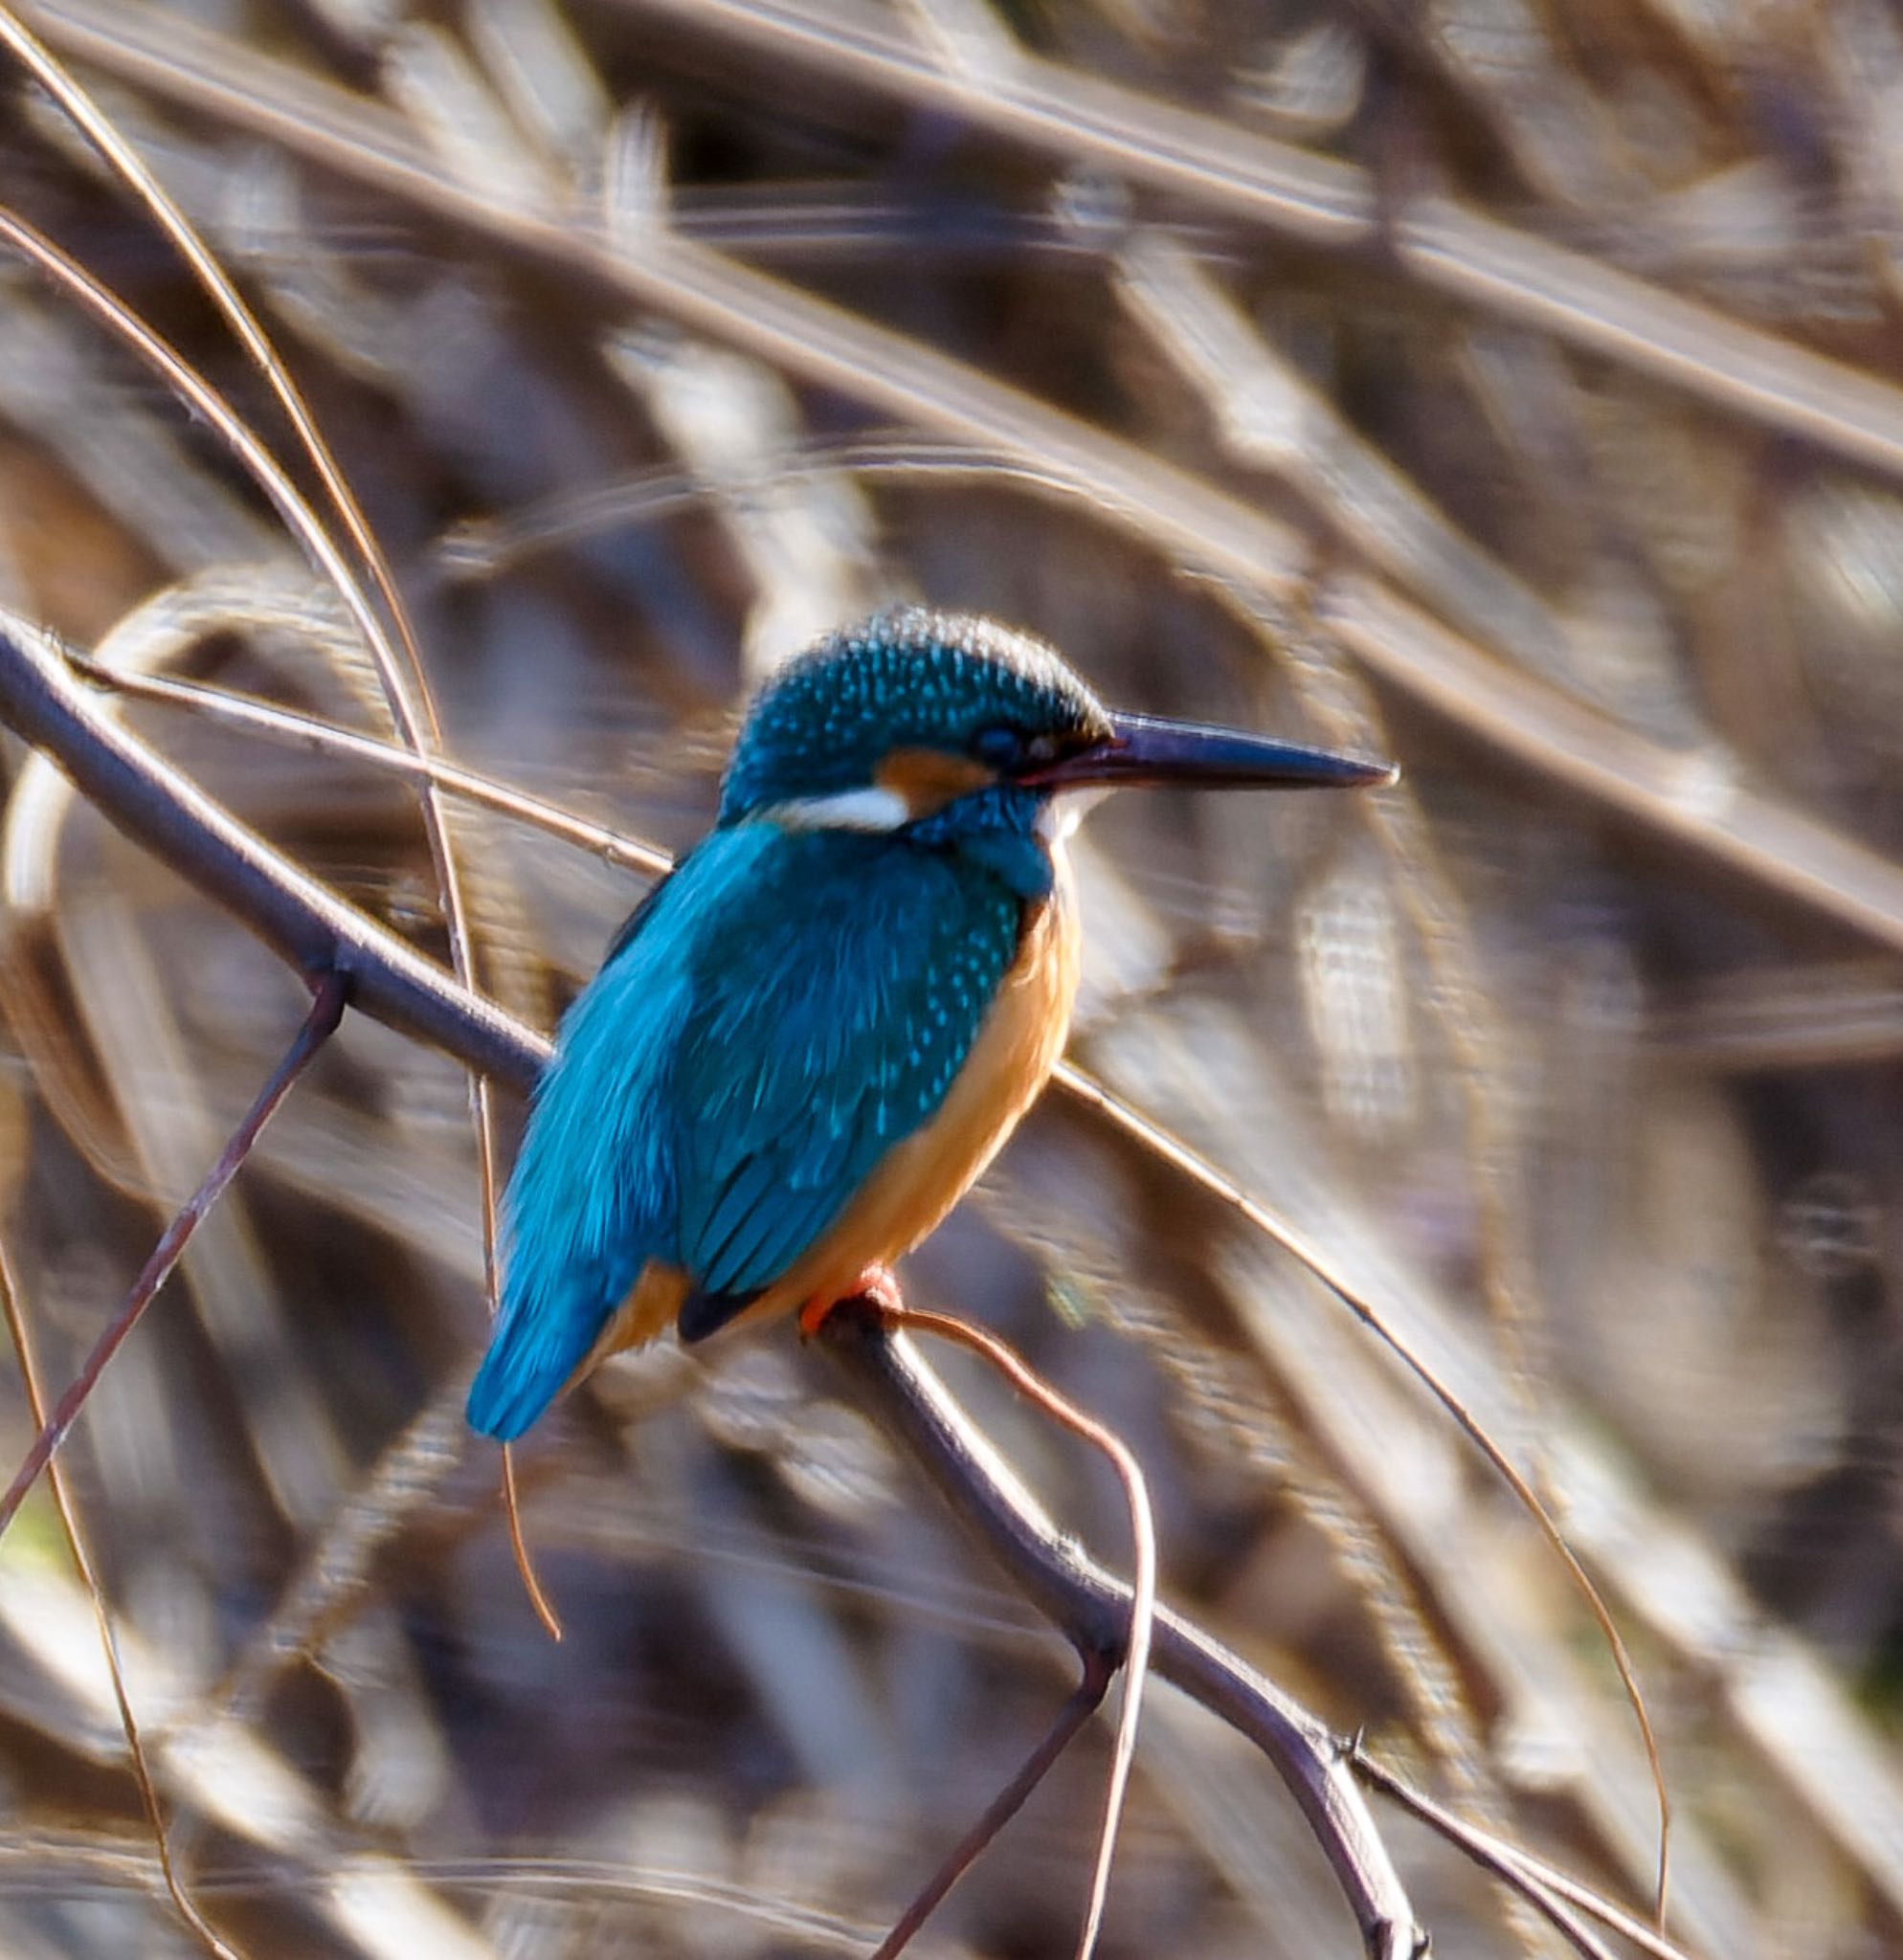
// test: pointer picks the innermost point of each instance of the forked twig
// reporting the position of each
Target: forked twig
(1092, 1607)
(1084, 1702)
(1084, 1603)
(1143, 1576)
(327, 1010)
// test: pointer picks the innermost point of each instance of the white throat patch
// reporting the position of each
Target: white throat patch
(877, 811)
(1067, 810)
(845, 810)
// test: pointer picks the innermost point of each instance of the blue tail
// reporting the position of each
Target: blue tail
(538, 1345)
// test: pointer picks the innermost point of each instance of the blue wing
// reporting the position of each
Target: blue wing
(787, 1007)
(592, 1196)
(826, 1027)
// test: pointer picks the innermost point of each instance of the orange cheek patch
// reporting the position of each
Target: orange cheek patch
(930, 778)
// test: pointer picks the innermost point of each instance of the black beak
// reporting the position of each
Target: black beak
(1141, 749)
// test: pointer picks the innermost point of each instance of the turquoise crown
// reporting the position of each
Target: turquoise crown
(907, 678)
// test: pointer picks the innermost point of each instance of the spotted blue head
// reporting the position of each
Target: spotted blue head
(958, 730)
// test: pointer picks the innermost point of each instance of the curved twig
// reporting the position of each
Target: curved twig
(1141, 1622)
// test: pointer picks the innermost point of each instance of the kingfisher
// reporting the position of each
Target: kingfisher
(809, 1038)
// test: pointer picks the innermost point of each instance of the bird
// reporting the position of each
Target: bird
(809, 1038)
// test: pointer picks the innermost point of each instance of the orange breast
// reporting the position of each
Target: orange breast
(918, 1181)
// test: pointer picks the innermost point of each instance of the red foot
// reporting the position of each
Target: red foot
(876, 1283)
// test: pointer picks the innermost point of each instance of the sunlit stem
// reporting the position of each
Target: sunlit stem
(539, 1601)
(21, 1335)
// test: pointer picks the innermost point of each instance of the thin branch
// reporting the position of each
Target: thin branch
(539, 1602)
(318, 737)
(1170, 1148)
(1083, 1701)
(327, 1010)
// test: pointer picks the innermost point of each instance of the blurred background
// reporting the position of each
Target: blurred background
(1513, 390)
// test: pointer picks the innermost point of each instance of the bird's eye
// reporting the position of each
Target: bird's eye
(998, 746)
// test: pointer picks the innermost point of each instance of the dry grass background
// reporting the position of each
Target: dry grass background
(1511, 388)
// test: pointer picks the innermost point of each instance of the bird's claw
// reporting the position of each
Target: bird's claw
(876, 1285)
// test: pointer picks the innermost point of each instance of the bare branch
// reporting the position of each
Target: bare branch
(1091, 1609)
(135, 790)
(291, 911)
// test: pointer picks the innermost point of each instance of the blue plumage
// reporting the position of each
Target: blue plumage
(803, 993)
(788, 1006)
(827, 1025)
